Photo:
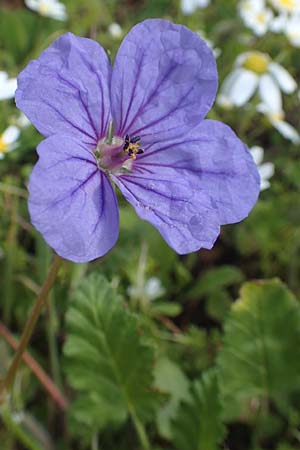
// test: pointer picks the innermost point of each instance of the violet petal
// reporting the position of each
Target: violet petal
(164, 81)
(185, 218)
(213, 160)
(66, 90)
(71, 201)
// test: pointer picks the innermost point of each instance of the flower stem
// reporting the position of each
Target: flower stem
(29, 327)
(140, 430)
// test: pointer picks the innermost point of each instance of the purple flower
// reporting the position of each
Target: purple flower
(185, 175)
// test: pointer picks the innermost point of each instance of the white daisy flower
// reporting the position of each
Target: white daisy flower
(286, 6)
(289, 25)
(190, 6)
(292, 30)
(265, 170)
(8, 86)
(256, 16)
(8, 140)
(256, 71)
(276, 118)
(48, 8)
(115, 30)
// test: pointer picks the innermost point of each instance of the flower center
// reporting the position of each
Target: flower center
(257, 62)
(43, 9)
(3, 146)
(132, 147)
(114, 154)
(277, 116)
(288, 4)
(261, 18)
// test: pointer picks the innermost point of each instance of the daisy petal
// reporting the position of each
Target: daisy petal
(164, 81)
(284, 79)
(66, 90)
(257, 154)
(287, 130)
(239, 86)
(270, 93)
(7, 87)
(266, 170)
(10, 135)
(71, 201)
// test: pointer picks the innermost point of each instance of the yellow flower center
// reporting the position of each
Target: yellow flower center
(3, 146)
(43, 9)
(257, 62)
(288, 4)
(278, 116)
(261, 17)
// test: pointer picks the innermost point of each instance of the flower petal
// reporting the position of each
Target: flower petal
(212, 160)
(257, 154)
(185, 218)
(270, 93)
(164, 81)
(72, 203)
(7, 86)
(10, 135)
(283, 78)
(287, 130)
(239, 86)
(66, 90)
(266, 171)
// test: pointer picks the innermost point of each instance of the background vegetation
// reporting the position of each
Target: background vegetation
(144, 348)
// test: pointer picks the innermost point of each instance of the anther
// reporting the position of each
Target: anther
(132, 146)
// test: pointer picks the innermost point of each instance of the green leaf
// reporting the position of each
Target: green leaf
(260, 358)
(214, 280)
(198, 424)
(107, 360)
(164, 309)
(169, 379)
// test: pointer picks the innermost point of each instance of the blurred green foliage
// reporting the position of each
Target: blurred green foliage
(185, 367)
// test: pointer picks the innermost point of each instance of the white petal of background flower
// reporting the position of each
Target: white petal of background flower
(270, 93)
(115, 30)
(239, 86)
(286, 6)
(282, 76)
(8, 140)
(256, 16)
(286, 130)
(8, 86)
(48, 8)
(22, 121)
(266, 170)
(276, 118)
(257, 153)
(190, 6)
(292, 30)
(278, 24)
(10, 135)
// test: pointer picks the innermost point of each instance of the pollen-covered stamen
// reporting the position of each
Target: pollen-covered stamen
(132, 146)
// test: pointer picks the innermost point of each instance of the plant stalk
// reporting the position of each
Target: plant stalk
(140, 430)
(29, 327)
